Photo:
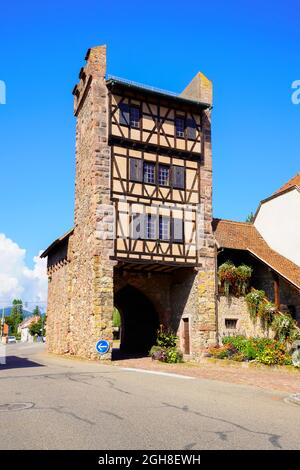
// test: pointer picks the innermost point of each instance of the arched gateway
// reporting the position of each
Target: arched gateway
(139, 320)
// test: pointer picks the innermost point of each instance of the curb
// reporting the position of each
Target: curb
(295, 399)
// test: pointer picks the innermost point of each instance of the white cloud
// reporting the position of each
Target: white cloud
(17, 280)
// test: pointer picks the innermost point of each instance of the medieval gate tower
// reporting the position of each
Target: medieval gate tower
(142, 238)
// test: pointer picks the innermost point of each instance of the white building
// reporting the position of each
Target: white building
(23, 328)
(278, 220)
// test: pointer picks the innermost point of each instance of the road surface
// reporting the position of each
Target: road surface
(57, 403)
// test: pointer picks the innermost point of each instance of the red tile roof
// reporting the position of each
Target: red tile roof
(243, 236)
(295, 181)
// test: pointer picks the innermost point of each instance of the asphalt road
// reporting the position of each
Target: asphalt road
(56, 403)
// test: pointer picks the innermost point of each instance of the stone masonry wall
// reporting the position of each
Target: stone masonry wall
(204, 326)
(59, 293)
(236, 308)
(92, 272)
(193, 297)
(183, 293)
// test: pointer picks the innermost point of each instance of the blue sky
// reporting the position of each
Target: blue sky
(250, 50)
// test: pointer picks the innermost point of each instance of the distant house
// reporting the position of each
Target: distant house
(278, 220)
(271, 246)
(23, 328)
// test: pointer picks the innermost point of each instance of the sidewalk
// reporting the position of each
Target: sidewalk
(282, 379)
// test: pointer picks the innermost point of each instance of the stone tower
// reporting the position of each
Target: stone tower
(142, 237)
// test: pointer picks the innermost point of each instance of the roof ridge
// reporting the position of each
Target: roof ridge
(294, 181)
(233, 221)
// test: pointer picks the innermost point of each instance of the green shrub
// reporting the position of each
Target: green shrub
(154, 349)
(243, 345)
(253, 300)
(263, 350)
(275, 354)
(166, 338)
(295, 334)
(222, 352)
(157, 353)
(227, 276)
(284, 326)
(238, 357)
(116, 318)
(165, 349)
(266, 311)
(234, 279)
(174, 356)
(243, 273)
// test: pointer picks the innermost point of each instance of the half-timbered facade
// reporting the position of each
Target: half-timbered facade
(142, 239)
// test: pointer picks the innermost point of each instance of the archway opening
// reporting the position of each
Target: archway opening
(139, 321)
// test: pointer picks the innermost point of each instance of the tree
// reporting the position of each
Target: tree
(116, 318)
(36, 328)
(250, 218)
(36, 311)
(16, 315)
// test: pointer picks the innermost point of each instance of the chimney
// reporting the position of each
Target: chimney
(199, 89)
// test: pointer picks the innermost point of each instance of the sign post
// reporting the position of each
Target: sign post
(102, 346)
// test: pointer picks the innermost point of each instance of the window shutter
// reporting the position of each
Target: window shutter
(124, 114)
(178, 177)
(177, 235)
(136, 169)
(138, 226)
(191, 129)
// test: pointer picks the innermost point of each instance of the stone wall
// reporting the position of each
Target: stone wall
(59, 296)
(263, 279)
(184, 293)
(92, 282)
(235, 308)
(81, 290)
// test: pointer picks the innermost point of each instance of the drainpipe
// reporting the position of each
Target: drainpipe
(276, 290)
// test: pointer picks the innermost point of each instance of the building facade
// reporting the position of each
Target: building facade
(277, 219)
(142, 238)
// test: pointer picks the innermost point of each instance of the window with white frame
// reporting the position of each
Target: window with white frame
(149, 172)
(180, 126)
(151, 227)
(164, 228)
(164, 175)
(134, 117)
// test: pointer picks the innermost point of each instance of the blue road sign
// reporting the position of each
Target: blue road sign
(102, 346)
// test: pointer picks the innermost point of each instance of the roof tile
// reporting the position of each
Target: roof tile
(244, 236)
(295, 181)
